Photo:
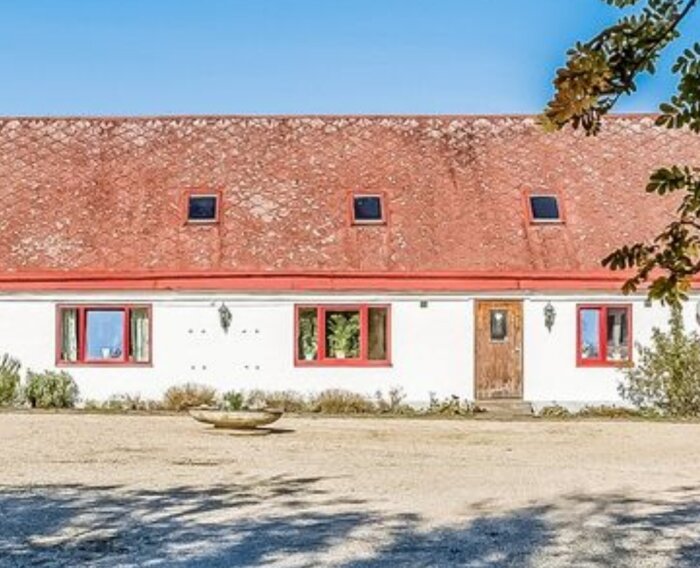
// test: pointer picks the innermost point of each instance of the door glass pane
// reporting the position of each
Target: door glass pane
(343, 334)
(307, 342)
(104, 334)
(499, 325)
(617, 334)
(377, 334)
(590, 334)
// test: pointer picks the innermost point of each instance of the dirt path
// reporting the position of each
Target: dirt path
(123, 490)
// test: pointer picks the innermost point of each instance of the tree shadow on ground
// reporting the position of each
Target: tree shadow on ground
(294, 521)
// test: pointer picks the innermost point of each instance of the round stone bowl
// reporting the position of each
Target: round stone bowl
(237, 419)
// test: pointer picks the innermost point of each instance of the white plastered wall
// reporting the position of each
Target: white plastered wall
(432, 346)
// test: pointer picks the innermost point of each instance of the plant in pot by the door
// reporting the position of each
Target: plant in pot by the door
(308, 338)
(344, 332)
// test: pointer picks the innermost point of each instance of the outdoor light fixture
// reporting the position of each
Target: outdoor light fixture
(550, 314)
(224, 317)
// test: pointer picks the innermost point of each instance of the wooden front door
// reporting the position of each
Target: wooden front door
(499, 342)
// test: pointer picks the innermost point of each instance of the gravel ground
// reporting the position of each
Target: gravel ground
(166, 491)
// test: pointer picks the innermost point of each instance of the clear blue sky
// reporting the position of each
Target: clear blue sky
(61, 57)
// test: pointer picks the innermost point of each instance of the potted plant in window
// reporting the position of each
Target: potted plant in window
(344, 332)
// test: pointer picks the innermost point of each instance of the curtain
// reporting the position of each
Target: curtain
(69, 335)
(140, 340)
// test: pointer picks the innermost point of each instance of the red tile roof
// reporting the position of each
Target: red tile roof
(84, 198)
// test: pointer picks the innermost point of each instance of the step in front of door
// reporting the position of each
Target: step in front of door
(505, 407)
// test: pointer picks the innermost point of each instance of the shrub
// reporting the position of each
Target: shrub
(288, 401)
(128, 402)
(336, 401)
(605, 411)
(393, 403)
(50, 389)
(554, 411)
(188, 395)
(666, 378)
(9, 380)
(233, 400)
(451, 406)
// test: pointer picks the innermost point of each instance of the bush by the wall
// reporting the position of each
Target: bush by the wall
(288, 401)
(50, 389)
(9, 380)
(666, 378)
(189, 395)
(337, 401)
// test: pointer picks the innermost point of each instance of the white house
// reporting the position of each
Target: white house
(447, 254)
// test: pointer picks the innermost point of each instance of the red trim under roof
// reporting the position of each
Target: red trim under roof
(313, 281)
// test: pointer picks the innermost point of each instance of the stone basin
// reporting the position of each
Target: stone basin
(237, 419)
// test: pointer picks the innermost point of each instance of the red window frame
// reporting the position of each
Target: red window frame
(321, 360)
(382, 204)
(201, 192)
(602, 360)
(83, 360)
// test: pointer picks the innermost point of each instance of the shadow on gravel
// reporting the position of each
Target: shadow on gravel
(294, 521)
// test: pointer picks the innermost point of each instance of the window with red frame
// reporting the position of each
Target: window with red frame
(104, 334)
(342, 335)
(604, 335)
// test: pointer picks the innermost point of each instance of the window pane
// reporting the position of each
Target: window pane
(342, 334)
(307, 342)
(590, 333)
(367, 208)
(617, 334)
(377, 334)
(544, 208)
(140, 341)
(104, 334)
(202, 208)
(499, 325)
(69, 334)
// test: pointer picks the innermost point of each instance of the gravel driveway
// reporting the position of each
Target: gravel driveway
(166, 491)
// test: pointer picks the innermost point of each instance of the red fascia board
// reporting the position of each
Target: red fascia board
(312, 281)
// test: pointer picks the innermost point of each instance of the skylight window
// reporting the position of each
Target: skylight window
(545, 208)
(202, 208)
(367, 209)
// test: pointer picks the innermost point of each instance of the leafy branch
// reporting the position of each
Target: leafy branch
(597, 73)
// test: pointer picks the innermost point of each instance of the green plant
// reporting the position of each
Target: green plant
(188, 395)
(666, 377)
(393, 403)
(554, 411)
(337, 401)
(128, 402)
(288, 401)
(50, 389)
(344, 334)
(233, 400)
(9, 380)
(451, 406)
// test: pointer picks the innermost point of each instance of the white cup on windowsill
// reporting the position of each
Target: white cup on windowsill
(106, 353)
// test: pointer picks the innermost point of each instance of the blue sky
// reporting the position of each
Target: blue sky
(68, 57)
